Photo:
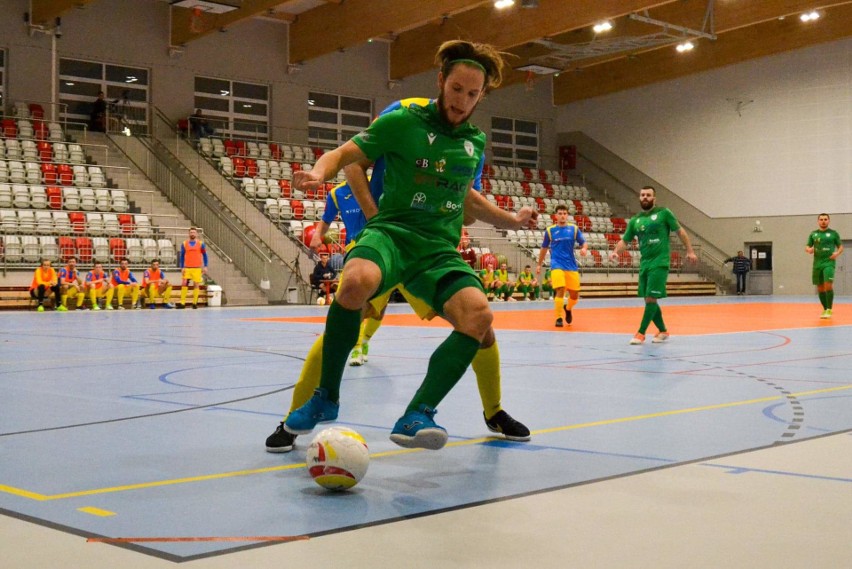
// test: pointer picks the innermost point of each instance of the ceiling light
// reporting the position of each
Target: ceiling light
(602, 27)
(224, 93)
(810, 16)
(501, 4)
(685, 46)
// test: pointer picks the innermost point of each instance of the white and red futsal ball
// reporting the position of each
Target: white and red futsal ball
(338, 458)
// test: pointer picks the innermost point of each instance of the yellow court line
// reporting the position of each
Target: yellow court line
(45, 497)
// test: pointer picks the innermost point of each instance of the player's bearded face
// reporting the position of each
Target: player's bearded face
(823, 222)
(647, 200)
(460, 93)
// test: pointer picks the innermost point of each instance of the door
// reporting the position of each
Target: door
(843, 272)
(759, 280)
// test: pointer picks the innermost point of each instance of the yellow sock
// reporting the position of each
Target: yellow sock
(93, 297)
(558, 302)
(486, 366)
(309, 378)
(134, 295)
(183, 295)
(65, 300)
(571, 302)
(195, 292)
(80, 298)
(370, 326)
(167, 294)
(121, 291)
(109, 295)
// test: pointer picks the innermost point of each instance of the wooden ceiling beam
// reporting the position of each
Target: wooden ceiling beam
(769, 37)
(186, 26)
(46, 11)
(413, 52)
(356, 21)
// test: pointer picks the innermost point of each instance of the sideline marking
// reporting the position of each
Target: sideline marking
(188, 539)
(44, 497)
(96, 511)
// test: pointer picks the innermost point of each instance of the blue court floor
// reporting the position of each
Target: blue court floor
(141, 434)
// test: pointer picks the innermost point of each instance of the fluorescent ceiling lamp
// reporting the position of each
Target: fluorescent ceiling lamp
(501, 4)
(538, 69)
(212, 6)
(602, 27)
(812, 16)
(685, 46)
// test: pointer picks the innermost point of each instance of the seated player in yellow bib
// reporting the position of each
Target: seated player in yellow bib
(70, 283)
(98, 285)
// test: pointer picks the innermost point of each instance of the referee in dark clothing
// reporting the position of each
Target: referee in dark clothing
(742, 265)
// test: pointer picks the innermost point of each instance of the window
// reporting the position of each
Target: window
(239, 110)
(514, 142)
(334, 119)
(125, 88)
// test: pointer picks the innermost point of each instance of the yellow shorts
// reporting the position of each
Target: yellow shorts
(423, 310)
(195, 275)
(565, 279)
(99, 292)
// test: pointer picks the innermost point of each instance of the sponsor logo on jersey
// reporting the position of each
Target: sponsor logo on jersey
(468, 147)
(440, 165)
(431, 136)
(418, 201)
(422, 163)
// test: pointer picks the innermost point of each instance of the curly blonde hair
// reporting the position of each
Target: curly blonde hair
(453, 52)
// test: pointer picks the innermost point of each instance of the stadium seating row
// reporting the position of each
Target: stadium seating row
(17, 172)
(69, 198)
(31, 248)
(78, 222)
(27, 150)
(217, 147)
(26, 129)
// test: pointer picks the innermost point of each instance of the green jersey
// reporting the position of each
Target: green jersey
(525, 277)
(652, 228)
(825, 243)
(430, 166)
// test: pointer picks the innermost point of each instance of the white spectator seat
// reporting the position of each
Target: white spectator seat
(218, 147)
(87, 199)
(20, 196)
(271, 209)
(103, 200)
(149, 249)
(55, 133)
(61, 223)
(265, 153)
(14, 249)
(252, 149)
(8, 221)
(26, 221)
(166, 252)
(94, 223)
(17, 171)
(261, 191)
(4, 169)
(296, 228)
(135, 251)
(143, 225)
(262, 169)
(248, 187)
(119, 201)
(49, 248)
(100, 249)
(273, 188)
(44, 222)
(111, 225)
(31, 248)
(29, 150)
(96, 177)
(205, 147)
(13, 149)
(32, 172)
(60, 152)
(70, 198)
(75, 154)
(81, 176)
(226, 167)
(285, 211)
(5, 195)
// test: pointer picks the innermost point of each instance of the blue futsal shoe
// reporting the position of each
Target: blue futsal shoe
(417, 429)
(318, 409)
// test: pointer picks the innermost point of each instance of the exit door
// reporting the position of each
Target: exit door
(760, 278)
(843, 272)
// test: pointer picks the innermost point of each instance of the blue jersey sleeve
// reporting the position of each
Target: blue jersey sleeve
(331, 209)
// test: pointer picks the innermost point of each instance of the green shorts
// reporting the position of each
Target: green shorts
(652, 282)
(823, 274)
(430, 269)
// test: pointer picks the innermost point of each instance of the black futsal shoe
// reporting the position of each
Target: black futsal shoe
(280, 440)
(504, 424)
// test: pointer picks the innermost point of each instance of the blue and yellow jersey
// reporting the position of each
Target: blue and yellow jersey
(68, 276)
(193, 254)
(561, 239)
(341, 199)
(376, 187)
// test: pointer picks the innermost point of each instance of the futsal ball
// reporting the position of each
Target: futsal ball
(338, 458)
(321, 301)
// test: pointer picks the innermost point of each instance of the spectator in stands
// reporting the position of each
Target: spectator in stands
(193, 262)
(741, 266)
(324, 277)
(70, 282)
(825, 245)
(490, 282)
(507, 289)
(99, 114)
(561, 239)
(546, 285)
(411, 241)
(199, 125)
(98, 284)
(527, 284)
(124, 280)
(467, 252)
(651, 227)
(45, 279)
(155, 284)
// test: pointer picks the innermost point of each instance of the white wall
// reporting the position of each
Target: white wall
(788, 154)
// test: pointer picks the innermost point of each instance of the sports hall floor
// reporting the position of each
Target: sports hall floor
(135, 439)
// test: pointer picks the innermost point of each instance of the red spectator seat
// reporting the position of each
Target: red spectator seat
(48, 173)
(317, 152)
(525, 186)
(40, 130)
(45, 151)
(487, 258)
(487, 170)
(501, 201)
(183, 126)
(67, 249)
(84, 249)
(239, 166)
(36, 111)
(540, 204)
(579, 205)
(78, 221)
(275, 150)
(310, 194)
(251, 167)
(548, 189)
(596, 255)
(677, 260)
(230, 148)
(54, 197)
(117, 248)
(285, 188)
(241, 147)
(66, 174)
(298, 209)
(125, 221)
(295, 166)
(542, 176)
(342, 235)
(10, 128)
(486, 186)
(510, 203)
(625, 260)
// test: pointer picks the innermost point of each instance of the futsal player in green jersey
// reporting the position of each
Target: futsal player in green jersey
(431, 153)
(825, 245)
(652, 227)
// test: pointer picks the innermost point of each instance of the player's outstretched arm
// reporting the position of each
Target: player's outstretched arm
(327, 166)
(476, 206)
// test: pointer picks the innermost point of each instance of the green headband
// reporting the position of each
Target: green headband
(472, 62)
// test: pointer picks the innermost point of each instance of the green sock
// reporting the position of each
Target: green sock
(822, 299)
(446, 366)
(342, 327)
(651, 309)
(658, 319)
(829, 299)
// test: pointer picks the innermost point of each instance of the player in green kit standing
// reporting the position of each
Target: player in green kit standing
(652, 227)
(432, 154)
(825, 245)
